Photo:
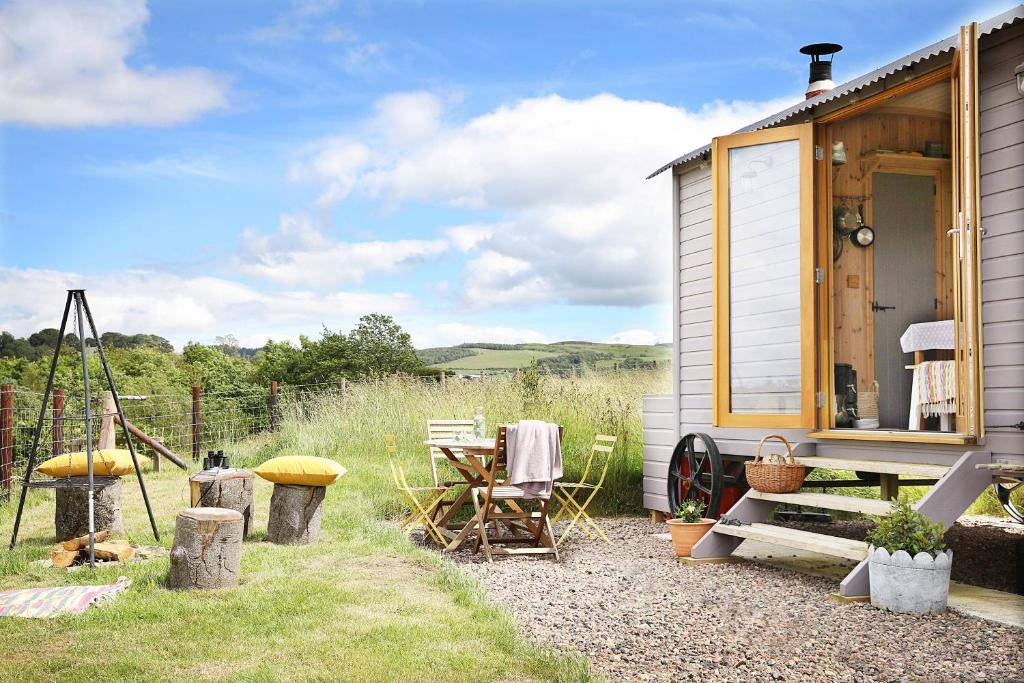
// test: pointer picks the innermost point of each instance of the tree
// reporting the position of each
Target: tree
(381, 347)
(215, 371)
(279, 361)
(46, 338)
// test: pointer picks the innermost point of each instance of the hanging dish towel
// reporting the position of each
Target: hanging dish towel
(534, 454)
(45, 603)
(934, 390)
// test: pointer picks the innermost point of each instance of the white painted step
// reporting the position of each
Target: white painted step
(794, 538)
(865, 506)
(909, 469)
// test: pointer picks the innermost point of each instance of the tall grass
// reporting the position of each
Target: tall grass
(350, 426)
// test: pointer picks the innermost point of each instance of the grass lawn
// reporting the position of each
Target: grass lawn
(364, 604)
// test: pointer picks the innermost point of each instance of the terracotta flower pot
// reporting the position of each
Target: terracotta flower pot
(686, 534)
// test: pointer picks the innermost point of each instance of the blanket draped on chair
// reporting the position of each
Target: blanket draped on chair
(534, 455)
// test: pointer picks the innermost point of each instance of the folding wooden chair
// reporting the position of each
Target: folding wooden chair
(445, 429)
(424, 501)
(532, 529)
(570, 494)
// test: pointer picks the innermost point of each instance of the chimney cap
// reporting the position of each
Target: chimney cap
(816, 50)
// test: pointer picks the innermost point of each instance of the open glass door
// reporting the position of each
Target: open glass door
(763, 278)
(965, 232)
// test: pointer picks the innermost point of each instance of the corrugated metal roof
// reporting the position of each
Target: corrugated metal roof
(934, 50)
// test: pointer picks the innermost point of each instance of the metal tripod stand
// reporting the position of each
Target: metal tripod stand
(77, 296)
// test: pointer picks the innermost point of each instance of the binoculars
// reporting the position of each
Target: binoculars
(215, 460)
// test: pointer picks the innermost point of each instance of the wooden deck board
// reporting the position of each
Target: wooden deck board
(909, 469)
(794, 538)
(866, 506)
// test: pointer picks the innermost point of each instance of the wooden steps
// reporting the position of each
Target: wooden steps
(909, 469)
(794, 538)
(865, 506)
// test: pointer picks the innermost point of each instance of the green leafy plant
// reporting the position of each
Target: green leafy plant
(690, 511)
(909, 530)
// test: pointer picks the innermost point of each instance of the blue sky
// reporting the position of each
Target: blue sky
(473, 168)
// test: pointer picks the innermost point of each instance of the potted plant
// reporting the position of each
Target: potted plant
(908, 563)
(688, 525)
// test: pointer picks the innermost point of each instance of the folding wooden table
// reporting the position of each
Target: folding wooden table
(467, 455)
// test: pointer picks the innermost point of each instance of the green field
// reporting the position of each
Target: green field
(561, 355)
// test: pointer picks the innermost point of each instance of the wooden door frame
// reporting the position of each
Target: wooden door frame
(823, 234)
(721, 410)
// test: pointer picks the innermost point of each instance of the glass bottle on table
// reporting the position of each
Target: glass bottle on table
(478, 423)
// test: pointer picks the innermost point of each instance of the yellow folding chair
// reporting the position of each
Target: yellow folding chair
(423, 501)
(569, 495)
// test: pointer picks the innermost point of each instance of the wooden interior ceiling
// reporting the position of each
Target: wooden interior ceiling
(933, 101)
(903, 124)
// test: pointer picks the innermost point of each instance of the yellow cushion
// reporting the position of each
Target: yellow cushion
(300, 470)
(111, 462)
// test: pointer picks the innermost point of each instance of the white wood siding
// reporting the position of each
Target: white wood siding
(695, 323)
(1001, 123)
(658, 442)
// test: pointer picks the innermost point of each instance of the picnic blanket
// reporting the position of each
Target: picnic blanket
(45, 603)
(534, 454)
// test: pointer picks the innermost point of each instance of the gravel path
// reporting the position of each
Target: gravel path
(638, 615)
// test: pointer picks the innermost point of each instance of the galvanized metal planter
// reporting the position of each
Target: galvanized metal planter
(909, 585)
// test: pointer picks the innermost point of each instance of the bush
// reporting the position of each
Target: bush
(909, 530)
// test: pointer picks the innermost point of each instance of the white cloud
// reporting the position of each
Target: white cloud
(337, 163)
(408, 117)
(181, 308)
(172, 166)
(299, 255)
(639, 337)
(469, 237)
(446, 334)
(302, 19)
(566, 178)
(63, 63)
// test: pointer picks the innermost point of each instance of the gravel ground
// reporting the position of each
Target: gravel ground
(638, 615)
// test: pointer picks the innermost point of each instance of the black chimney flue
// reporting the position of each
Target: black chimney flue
(821, 71)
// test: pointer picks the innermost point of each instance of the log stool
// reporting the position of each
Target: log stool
(71, 514)
(295, 513)
(207, 551)
(230, 488)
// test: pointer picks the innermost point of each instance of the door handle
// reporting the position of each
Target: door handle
(876, 307)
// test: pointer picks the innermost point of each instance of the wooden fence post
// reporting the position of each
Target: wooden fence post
(197, 424)
(273, 406)
(6, 436)
(58, 421)
(108, 437)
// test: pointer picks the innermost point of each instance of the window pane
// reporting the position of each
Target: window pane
(764, 278)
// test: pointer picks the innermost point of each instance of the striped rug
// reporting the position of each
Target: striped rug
(44, 603)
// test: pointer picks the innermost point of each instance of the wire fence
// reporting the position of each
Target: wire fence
(187, 424)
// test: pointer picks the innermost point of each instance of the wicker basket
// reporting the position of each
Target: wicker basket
(867, 403)
(775, 477)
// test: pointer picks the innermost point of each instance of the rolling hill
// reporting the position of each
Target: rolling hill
(471, 358)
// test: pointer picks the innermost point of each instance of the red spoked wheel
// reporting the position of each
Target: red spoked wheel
(696, 474)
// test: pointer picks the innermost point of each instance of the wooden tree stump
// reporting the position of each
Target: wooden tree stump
(207, 551)
(71, 513)
(295, 513)
(231, 489)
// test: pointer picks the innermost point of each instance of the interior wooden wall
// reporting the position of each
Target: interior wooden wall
(852, 276)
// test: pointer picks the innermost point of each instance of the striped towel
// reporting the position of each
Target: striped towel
(45, 603)
(936, 387)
